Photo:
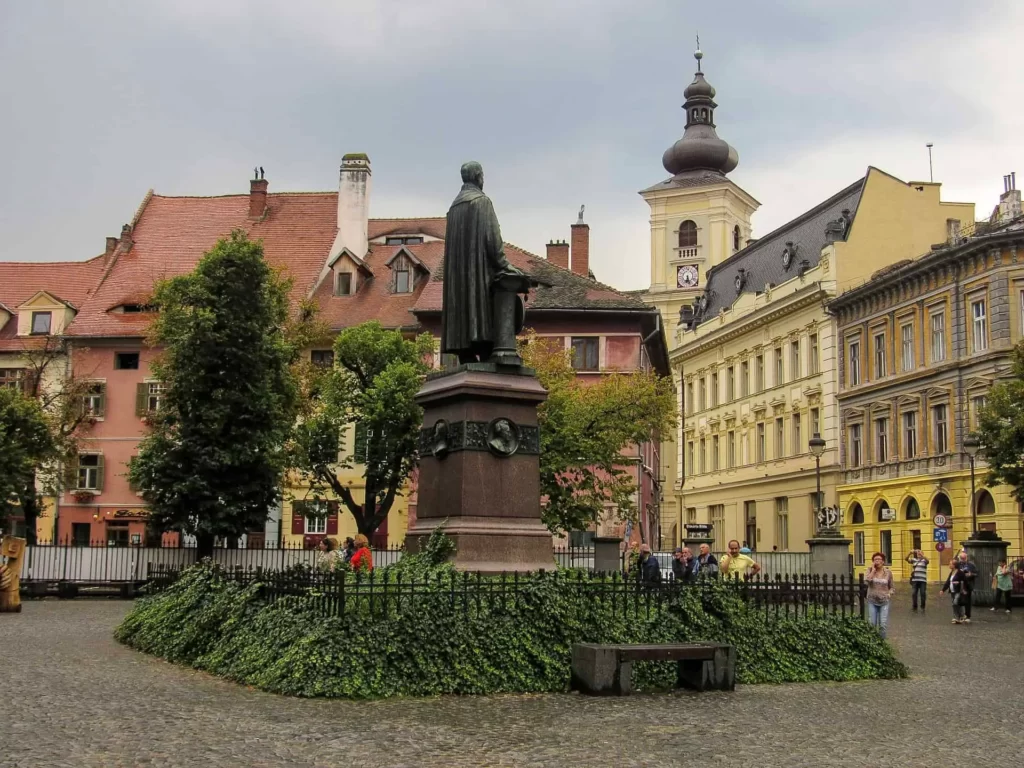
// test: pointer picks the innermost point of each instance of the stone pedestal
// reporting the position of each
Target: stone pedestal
(985, 554)
(830, 555)
(607, 554)
(479, 468)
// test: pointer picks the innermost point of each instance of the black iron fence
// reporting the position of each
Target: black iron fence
(337, 593)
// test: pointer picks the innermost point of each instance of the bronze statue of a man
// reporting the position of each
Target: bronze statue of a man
(474, 260)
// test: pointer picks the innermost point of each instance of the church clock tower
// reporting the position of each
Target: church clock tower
(699, 217)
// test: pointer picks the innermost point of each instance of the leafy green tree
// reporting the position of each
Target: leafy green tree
(214, 462)
(584, 428)
(372, 385)
(25, 443)
(1001, 429)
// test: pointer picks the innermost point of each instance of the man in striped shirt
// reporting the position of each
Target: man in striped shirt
(918, 577)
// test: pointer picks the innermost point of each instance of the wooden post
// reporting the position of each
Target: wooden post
(10, 574)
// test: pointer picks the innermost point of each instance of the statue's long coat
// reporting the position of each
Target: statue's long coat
(473, 257)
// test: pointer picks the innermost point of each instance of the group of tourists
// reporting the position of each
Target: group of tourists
(959, 584)
(356, 554)
(687, 568)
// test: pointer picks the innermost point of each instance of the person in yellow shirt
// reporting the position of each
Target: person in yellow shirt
(735, 565)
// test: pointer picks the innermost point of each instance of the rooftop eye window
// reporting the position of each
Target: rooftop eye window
(404, 240)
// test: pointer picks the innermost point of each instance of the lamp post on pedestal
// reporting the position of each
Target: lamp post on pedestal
(817, 447)
(984, 548)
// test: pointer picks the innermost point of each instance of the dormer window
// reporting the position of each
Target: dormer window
(403, 276)
(343, 284)
(404, 240)
(133, 309)
(41, 323)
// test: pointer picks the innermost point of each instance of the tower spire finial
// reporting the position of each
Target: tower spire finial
(697, 54)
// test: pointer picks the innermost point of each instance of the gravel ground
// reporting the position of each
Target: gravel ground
(77, 698)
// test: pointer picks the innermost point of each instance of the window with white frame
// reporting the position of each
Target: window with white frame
(714, 389)
(316, 525)
(937, 322)
(93, 399)
(730, 384)
(910, 434)
(703, 393)
(703, 456)
(155, 396)
(812, 354)
(745, 378)
(855, 445)
(940, 417)
(760, 442)
(907, 346)
(714, 453)
(815, 422)
(782, 522)
(731, 444)
(90, 471)
(585, 353)
(780, 376)
(854, 356)
(41, 323)
(12, 378)
(880, 356)
(718, 520)
(979, 325)
(759, 374)
(794, 359)
(881, 440)
(780, 439)
(798, 442)
(977, 404)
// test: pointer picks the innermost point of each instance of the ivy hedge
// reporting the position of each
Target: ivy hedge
(208, 621)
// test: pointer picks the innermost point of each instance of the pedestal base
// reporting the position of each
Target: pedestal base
(830, 555)
(985, 554)
(479, 469)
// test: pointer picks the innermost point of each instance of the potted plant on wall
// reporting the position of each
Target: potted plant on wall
(83, 496)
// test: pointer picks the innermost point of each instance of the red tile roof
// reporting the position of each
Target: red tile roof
(69, 281)
(172, 233)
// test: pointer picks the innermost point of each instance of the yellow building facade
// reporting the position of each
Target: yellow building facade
(758, 361)
(922, 343)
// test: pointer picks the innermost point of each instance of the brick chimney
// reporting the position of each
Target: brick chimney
(581, 247)
(558, 253)
(111, 247)
(257, 198)
(354, 204)
(126, 242)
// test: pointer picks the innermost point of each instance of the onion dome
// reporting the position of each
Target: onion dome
(700, 149)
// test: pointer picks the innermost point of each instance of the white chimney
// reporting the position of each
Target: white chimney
(1009, 201)
(353, 204)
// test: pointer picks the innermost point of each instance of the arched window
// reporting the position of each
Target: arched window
(986, 504)
(884, 515)
(687, 234)
(857, 514)
(704, 114)
(942, 506)
(694, 114)
(736, 237)
(913, 510)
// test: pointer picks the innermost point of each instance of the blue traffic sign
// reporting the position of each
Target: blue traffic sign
(940, 534)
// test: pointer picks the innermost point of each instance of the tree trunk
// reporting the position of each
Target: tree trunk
(30, 510)
(204, 545)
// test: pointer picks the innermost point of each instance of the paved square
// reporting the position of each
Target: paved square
(80, 699)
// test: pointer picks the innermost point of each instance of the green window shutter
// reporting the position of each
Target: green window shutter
(71, 474)
(359, 449)
(101, 410)
(99, 473)
(141, 396)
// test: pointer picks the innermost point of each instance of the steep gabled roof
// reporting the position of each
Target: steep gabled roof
(70, 281)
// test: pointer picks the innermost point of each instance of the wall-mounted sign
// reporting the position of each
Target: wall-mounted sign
(940, 534)
(939, 546)
(887, 513)
(699, 529)
(940, 521)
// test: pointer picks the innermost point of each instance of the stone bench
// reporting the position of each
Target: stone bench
(608, 668)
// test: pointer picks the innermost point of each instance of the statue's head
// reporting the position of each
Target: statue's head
(473, 173)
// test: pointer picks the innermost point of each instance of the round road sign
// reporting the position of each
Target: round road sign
(940, 521)
(939, 546)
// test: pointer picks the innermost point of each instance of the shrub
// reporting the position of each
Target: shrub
(434, 645)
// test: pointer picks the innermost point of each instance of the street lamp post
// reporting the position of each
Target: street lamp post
(817, 447)
(971, 447)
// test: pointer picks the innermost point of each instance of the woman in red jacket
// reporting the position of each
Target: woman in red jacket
(362, 560)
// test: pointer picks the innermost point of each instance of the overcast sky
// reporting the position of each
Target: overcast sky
(563, 101)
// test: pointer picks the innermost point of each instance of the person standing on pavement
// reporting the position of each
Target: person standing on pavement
(918, 577)
(969, 571)
(880, 592)
(682, 565)
(649, 571)
(953, 584)
(1003, 584)
(706, 563)
(736, 564)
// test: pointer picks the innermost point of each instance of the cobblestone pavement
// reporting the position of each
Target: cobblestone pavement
(77, 698)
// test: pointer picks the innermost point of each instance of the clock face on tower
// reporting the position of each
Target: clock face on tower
(686, 276)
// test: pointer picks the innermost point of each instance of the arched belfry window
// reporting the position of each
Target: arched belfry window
(704, 114)
(687, 234)
(736, 237)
